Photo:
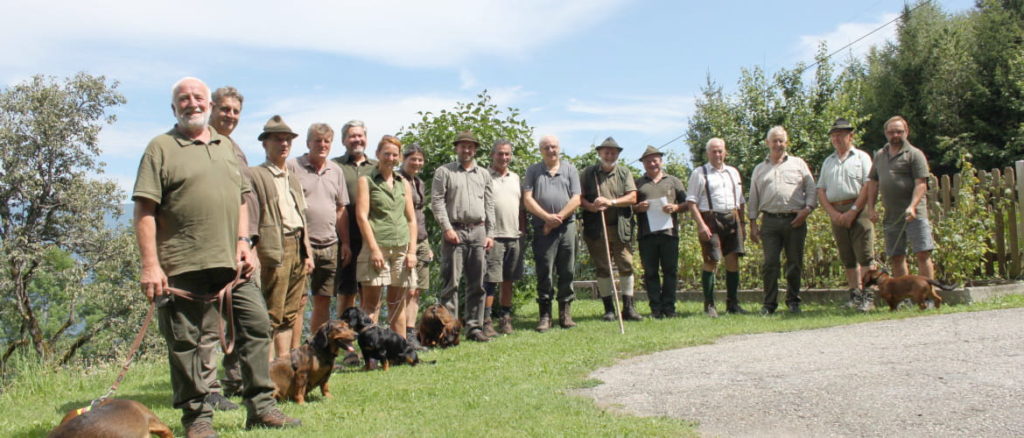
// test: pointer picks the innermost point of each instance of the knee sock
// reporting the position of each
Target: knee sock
(707, 283)
(627, 285)
(732, 284)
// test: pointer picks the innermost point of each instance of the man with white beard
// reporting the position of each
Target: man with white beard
(609, 189)
(191, 227)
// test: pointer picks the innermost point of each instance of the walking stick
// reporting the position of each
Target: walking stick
(608, 252)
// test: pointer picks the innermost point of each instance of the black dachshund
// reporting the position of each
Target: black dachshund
(379, 343)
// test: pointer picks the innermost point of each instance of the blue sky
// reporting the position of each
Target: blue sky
(582, 70)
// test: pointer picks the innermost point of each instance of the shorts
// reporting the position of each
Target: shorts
(715, 248)
(325, 267)
(917, 231)
(856, 244)
(505, 261)
(394, 272)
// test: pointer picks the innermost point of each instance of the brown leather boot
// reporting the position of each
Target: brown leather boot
(489, 328)
(545, 317)
(273, 419)
(565, 315)
(505, 324)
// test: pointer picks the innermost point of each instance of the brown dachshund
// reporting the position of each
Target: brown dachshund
(896, 289)
(438, 328)
(112, 418)
(311, 364)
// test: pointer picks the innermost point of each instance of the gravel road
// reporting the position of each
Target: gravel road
(958, 375)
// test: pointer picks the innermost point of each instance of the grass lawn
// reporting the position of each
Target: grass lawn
(517, 385)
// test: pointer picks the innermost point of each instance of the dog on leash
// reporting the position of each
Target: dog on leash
(310, 365)
(378, 343)
(438, 328)
(896, 289)
(112, 418)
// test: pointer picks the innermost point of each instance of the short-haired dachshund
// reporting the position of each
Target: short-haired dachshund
(896, 289)
(310, 365)
(112, 418)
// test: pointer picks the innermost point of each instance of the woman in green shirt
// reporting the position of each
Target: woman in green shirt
(387, 221)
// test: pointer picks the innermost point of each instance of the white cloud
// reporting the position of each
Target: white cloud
(466, 79)
(639, 114)
(422, 34)
(846, 33)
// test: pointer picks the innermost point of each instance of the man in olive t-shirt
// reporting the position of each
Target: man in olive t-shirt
(900, 173)
(190, 226)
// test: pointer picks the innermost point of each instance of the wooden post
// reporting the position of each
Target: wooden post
(995, 185)
(945, 187)
(1017, 212)
(932, 196)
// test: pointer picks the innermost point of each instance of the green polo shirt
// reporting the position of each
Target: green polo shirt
(895, 175)
(198, 191)
(352, 172)
(387, 210)
(669, 187)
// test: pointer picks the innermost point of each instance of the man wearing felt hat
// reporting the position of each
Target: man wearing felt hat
(463, 204)
(609, 189)
(842, 194)
(659, 241)
(286, 256)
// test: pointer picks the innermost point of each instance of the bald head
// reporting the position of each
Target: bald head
(549, 149)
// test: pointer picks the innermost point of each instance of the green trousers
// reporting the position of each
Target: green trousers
(181, 323)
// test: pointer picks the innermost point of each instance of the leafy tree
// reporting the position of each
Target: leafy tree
(435, 132)
(55, 250)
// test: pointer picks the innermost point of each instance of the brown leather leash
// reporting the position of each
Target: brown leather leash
(227, 343)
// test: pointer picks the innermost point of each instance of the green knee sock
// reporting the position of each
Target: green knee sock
(707, 282)
(732, 284)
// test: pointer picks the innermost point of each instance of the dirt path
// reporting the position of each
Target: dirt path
(948, 375)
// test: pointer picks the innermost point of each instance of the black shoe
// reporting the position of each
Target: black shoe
(794, 308)
(669, 314)
(273, 419)
(413, 339)
(609, 309)
(735, 309)
(767, 312)
(219, 402)
(656, 314)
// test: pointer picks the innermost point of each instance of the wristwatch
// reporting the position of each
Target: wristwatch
(246, 240)
(854, 208)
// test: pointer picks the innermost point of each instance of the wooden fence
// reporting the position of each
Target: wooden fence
(1003, 191)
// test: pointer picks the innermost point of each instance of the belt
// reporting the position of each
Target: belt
(846, 202)
(293, 234)
(780, 215)
(464, 226)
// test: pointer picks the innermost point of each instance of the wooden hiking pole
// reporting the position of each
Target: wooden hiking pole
(611, 267)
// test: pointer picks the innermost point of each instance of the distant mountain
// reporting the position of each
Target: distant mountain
(123, 219)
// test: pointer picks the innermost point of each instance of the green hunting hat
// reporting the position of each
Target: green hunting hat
(841, 124)
(651, 150)
(466, 136)
(609, 143)
(275, 125)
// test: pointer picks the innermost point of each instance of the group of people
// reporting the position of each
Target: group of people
(354, 227)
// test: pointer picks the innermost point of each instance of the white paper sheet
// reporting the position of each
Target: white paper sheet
(657, 219)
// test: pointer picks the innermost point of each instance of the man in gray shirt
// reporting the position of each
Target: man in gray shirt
(551, 193)
(463, 206)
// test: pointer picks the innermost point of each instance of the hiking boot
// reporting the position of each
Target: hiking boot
(351, 359)
(867, 303)
(489, 328)
(565, 315)
(200, 429)
(413, 339)
(219, 402)
(709, 309)
(272, 419)
(544, 324)
(628, 312)
(609, 309)
(733, 307)
(856, 297)
(477, 335)
(505, 324)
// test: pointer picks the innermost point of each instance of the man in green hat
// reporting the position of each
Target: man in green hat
(463, 204)
(842, 194)
(190, 221)
(609, 190)
(659, 239)
(286, 256)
